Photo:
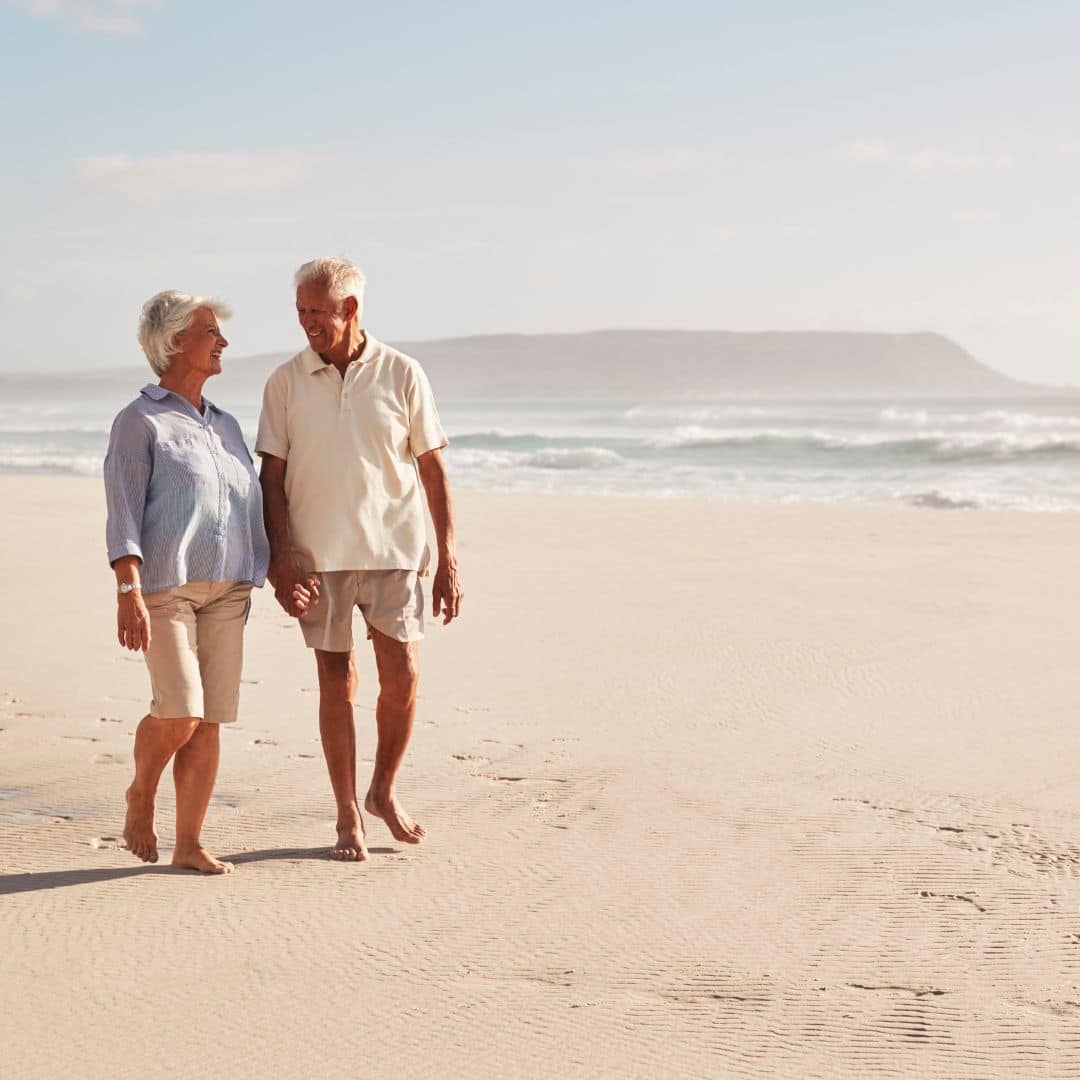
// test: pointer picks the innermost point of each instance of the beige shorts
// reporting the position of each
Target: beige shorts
(197, 649)
(391, 601)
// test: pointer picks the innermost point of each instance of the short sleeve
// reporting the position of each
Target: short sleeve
(425, 430)
(273, 436)
(129, 461)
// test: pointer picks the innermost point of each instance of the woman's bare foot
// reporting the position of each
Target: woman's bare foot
(393, 813)
(139, 832)
(198, 858)
(350, 846)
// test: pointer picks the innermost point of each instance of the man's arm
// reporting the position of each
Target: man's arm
(446, 591)
(293, 588)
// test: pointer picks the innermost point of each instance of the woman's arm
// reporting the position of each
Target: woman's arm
(128, 465)
(132, 618)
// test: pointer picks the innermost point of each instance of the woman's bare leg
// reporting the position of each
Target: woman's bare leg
(156, 740)
(194, 771)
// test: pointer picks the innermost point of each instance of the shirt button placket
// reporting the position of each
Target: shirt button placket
(222, 502)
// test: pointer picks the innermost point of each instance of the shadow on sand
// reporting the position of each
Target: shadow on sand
(61, 879)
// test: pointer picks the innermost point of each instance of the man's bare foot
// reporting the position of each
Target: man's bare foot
(393, 813)
(198, 858)
(350, 846)
(139, 832)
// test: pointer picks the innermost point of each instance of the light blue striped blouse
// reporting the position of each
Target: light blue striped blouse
(182, 494)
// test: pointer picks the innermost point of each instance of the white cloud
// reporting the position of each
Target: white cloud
(111, 18)
(670, 161)
(870, 150)
(974, 216)
(200, 176)
(929, 159)
(936, 160)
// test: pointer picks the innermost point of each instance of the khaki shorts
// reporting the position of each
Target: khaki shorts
(197, 649)
(391, 601)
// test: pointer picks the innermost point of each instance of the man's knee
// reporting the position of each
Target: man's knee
(337, 675)
(399, 679)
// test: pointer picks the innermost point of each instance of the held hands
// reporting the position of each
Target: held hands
(132, 622)
(295, 589)
(446, 591)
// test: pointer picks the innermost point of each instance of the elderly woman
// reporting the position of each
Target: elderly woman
(186, 540)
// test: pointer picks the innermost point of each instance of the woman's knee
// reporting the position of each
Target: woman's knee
(171, 729)
(206, 732)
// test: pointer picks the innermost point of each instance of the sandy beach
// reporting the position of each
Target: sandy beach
(711, 790)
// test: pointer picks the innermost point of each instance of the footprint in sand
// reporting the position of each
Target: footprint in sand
(529, 779)
(472, 708)
(108, 720)
(100, 842)
(80, 738)
(264, 742)
(108, 759)
(476, 759)
(306, 757)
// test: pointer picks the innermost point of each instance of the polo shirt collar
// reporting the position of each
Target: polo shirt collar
(313, 362)
(158, 393)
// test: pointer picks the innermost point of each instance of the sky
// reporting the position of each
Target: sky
(503, 167)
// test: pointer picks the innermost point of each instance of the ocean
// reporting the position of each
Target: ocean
(940, 454)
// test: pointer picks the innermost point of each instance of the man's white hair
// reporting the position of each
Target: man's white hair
(340, 277)
(163, 317)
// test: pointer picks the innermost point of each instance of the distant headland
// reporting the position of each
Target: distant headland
(650, 365)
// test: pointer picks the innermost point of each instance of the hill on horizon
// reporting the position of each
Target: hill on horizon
(711, 363)
(652, 364)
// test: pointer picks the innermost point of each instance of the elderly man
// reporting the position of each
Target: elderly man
(348, 435)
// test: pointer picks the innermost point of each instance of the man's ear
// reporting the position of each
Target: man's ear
(351, 307)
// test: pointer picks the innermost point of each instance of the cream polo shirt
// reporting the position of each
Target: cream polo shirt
(354, 492)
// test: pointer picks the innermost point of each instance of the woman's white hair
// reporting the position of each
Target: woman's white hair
(341, 278)
(163, 317)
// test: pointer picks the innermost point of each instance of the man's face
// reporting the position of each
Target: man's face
(325, 321)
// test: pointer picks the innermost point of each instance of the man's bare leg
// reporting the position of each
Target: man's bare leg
(398, 664)
(194, 772)
(156, 741)
(337, 728)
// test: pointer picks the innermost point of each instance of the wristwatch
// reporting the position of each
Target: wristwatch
(127, 586)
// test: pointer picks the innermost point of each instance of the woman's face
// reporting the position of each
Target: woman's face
(199, 347)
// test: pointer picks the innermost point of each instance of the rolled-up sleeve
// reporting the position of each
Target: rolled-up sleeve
(273, 436)
(425, 430)
(128, 465)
